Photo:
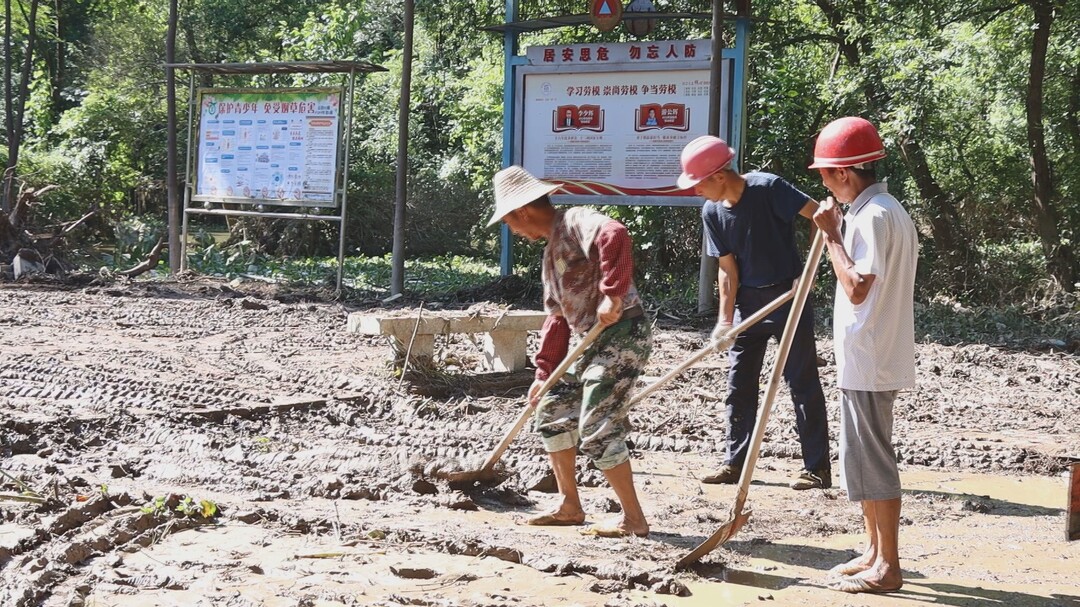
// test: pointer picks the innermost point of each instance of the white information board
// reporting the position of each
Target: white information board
(611, 120)
(268, 144)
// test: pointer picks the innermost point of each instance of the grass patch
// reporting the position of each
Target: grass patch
(1053, 318)
(430, 277)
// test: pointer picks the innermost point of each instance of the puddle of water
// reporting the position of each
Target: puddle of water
(1022, 563)
(1029, 490)
(755, 579)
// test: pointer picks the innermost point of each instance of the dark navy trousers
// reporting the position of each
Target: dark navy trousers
(801, 374)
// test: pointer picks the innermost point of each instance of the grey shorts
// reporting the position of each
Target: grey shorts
(867, 460)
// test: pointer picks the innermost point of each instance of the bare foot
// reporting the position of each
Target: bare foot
(876, 579)
(557, 518)
(617, 528)
(856, 565)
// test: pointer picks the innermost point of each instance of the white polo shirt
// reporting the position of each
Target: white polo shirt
(875, 340)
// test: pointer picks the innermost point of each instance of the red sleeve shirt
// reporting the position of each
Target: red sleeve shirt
(554, 343)
(616, 259)
(615, 252)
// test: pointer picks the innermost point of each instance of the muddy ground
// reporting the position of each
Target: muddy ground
(128, 411)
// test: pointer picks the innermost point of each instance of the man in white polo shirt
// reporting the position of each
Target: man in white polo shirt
(874, 337)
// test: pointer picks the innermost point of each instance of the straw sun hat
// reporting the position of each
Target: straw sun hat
(514, 188)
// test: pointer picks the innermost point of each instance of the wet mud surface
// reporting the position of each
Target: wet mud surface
(125, 408)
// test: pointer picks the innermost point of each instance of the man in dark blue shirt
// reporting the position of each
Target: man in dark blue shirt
(749, 227)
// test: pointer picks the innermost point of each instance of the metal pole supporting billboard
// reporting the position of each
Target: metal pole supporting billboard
(397, 272)
(708, 266)
(510, 50)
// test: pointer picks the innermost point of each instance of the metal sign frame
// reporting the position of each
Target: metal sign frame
(305, 210)
(517, 153)
(516, 64)
(341, 175)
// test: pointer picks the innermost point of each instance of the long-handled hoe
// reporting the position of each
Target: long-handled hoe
(696, 357)
(738, 518)
(486, 472)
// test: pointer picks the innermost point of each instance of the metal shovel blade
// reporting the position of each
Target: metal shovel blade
(720, 536)
(484, 475)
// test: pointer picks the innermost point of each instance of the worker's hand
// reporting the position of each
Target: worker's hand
(720, 339)
(828, 219)
(534, 392)
(609, 311)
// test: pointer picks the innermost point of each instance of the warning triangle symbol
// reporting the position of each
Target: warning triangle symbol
(605, 8)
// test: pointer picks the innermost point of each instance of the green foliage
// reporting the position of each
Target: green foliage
(155, 506)
(184, 506)
(192, 508)
(223, 259)
(136, 236)
(950, 76)
(475, 113)
(948, 321)
(438, 275)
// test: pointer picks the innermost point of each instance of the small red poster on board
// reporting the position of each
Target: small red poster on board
(588, 117)
(649, 116)
(606, 14)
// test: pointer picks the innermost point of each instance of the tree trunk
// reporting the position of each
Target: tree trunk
(942, 207)
(171, 182)
(945, 226)
(18, 109)
(59, 62)
(195, 55)
(1059, 259)
(9, 116)
(397, 270)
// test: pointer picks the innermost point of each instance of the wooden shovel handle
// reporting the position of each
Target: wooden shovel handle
(738, 517)
(802, 293)
(732, 333)
(527, 411)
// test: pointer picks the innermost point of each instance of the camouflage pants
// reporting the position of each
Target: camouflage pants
(589, 409)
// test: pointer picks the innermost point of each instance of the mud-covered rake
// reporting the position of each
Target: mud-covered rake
(738, 517)
(486, 472)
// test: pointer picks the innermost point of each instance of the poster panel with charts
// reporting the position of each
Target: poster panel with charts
(268, 144)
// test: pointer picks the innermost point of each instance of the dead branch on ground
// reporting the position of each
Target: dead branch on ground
(147, 264)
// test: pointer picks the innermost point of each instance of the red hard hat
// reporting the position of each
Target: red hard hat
(846, 142)
(703, 157)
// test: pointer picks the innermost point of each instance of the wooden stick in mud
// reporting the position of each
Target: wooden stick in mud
(412, 340)
(17, 497)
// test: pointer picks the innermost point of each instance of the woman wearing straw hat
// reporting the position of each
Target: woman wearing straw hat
(587, 274)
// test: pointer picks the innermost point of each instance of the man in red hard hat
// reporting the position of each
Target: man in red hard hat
(749, 225)
(874, 337)
(588, 277)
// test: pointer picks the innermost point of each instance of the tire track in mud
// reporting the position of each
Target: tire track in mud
(41, 383)
(124, 408)
(65, 542)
